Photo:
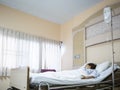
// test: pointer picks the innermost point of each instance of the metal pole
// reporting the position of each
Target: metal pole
(108, 19)
(113, 78)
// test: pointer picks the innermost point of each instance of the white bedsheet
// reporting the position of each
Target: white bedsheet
(68, 77)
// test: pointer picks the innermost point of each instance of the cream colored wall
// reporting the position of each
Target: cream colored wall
(117, 50)
(66, 37)
(68, 27)
(99, 53)
(16, 20)
(91, 11)
(103, 52)
(78, 49)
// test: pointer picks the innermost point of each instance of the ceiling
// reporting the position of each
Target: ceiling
(58, 11)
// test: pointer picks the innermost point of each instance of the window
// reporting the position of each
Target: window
(19, 49)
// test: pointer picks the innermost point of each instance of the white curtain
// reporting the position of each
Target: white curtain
(51, 55)
(19, 49)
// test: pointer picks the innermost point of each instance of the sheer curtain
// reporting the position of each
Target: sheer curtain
(19, 49)
(51, 55)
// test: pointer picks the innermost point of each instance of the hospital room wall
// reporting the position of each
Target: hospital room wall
(78, 48)
(70, 26)
(103, 52)
(17, 20)
(20, 21)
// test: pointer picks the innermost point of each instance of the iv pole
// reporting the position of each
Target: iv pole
(108, 20)
(113, 77)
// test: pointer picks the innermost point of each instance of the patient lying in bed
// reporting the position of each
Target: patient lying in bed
(86, 72)
(89, 71)
(82, 75)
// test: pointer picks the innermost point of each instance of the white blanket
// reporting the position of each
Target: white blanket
(68, 77)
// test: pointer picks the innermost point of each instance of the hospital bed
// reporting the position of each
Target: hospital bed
(52, 80)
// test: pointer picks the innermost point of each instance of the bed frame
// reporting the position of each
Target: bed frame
(105, 84)
(19, 80)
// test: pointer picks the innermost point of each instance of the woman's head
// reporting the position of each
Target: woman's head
(90, 66)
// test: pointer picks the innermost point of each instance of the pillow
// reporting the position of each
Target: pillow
(48, 70)
(103, 66)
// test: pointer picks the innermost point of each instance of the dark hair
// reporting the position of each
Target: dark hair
(92, 65)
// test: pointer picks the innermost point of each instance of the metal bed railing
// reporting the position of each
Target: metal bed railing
(98, 86)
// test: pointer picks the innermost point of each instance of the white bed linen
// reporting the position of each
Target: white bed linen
(69, 77)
